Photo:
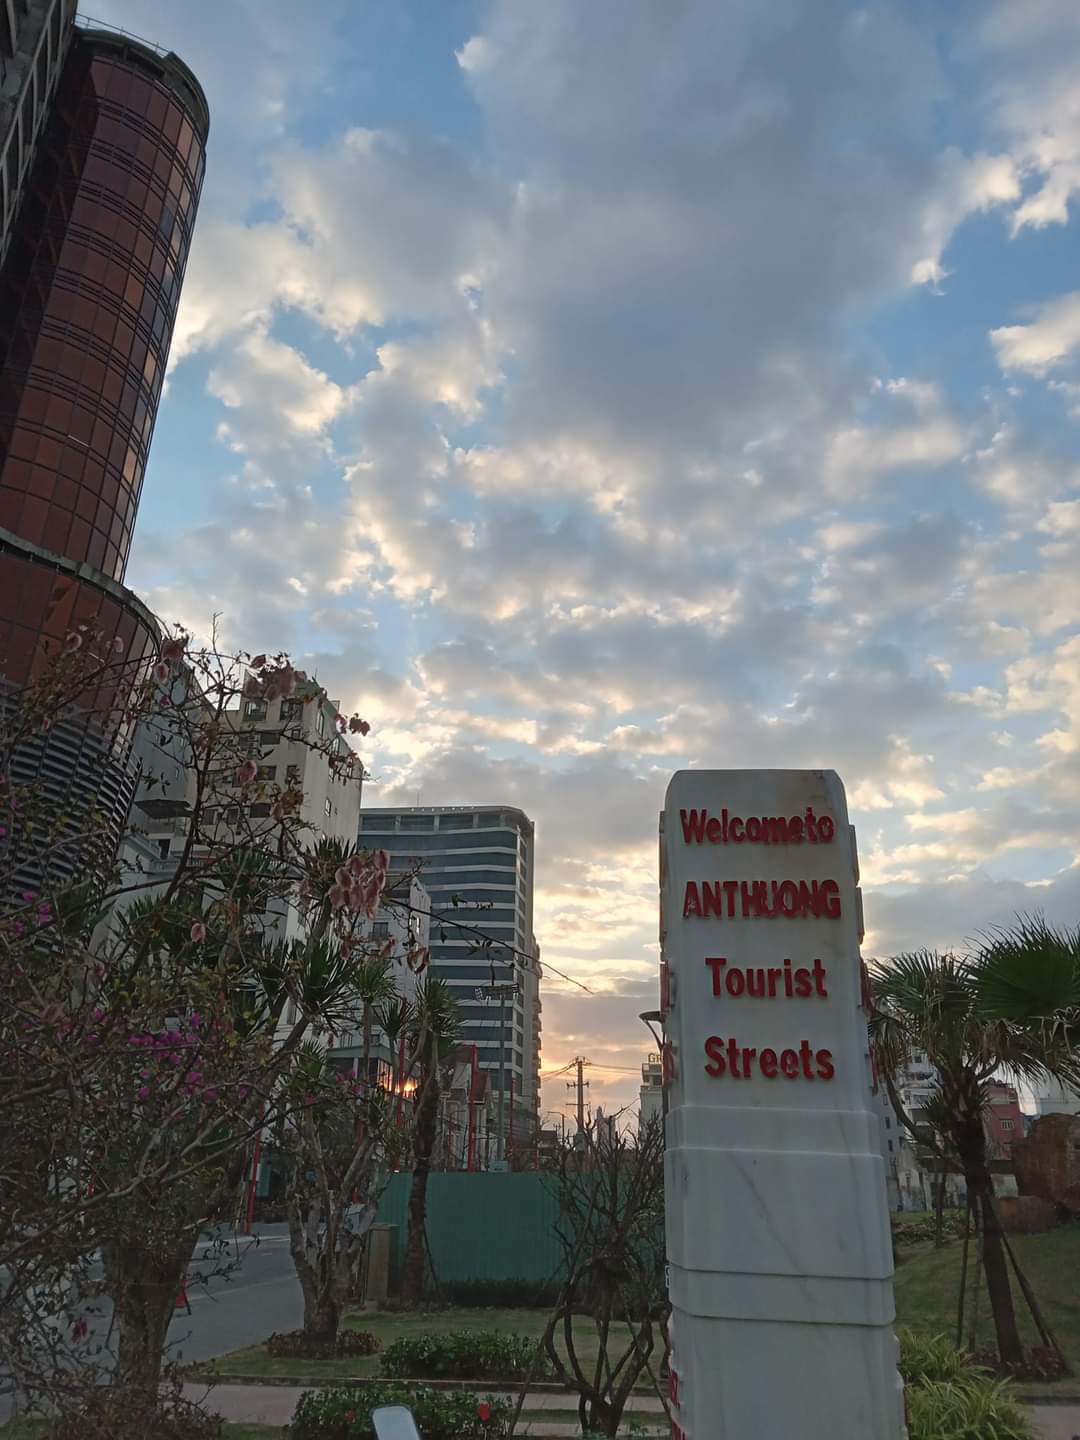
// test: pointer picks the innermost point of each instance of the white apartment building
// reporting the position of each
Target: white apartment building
(651, 1094)
(279, 736)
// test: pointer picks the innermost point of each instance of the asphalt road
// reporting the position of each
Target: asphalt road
(259, 1295)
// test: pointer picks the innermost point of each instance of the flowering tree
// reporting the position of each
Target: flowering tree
(154, 1013)
(341, 1156)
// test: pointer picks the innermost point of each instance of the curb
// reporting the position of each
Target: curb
(329, 1382)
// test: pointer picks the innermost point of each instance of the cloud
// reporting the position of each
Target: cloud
(1049, 340)
(263, 372)
(1034, 50)
(613, 416)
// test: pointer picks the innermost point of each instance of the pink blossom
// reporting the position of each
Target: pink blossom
(143, 1092)
(336, 897)
(20, 928)
(99, 1013)
(72, 642)
(118, 645)
(209, 1094)
(144, 1074)
(247, 772)
(28, 896)
(162, 673)
(252, 687)
(198, 933)
(3, 832)
(196, 1020)
(258, 662)
(172, 652)
(358, 726)
(46, 724)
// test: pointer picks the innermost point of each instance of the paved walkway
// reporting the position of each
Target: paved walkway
(274, 1405)
(1057, 1422)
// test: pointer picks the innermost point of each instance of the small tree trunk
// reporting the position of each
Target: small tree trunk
(427, 1113)
(144, 1286)
(980, 1187)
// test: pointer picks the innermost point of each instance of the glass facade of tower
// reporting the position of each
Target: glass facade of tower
(88, 297)
(89, 285)
(477, 866)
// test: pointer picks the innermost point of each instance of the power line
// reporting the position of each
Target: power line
(442, 919)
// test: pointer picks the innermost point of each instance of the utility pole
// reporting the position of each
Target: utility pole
(502, 993)
(502, 1074)
(580, 1085)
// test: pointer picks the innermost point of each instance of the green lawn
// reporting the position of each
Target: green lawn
(389, 1326)
(928, 1285)
(34, 1429)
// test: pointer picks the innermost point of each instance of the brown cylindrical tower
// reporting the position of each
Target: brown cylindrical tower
(88, 295)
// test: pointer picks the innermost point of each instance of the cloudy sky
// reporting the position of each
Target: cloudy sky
(587, 390)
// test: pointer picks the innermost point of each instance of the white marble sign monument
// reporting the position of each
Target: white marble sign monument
(780, 1263)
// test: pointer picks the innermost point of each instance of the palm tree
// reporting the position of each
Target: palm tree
(1012, 1007)
(437, 1032)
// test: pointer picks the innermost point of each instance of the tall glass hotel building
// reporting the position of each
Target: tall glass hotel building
(477, 864)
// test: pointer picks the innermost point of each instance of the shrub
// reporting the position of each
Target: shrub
(116, 1413)
(922, 1232)
(299, 1345)
(974, 1407)
(464, 1355)
(930, 1357)
(440, 1414)
(500, 1294)
(951, 1398)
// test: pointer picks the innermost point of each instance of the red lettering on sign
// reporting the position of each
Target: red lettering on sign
(740, 1062)
(714, 1048)
(762, 899)
(700, 828)
(760, 983)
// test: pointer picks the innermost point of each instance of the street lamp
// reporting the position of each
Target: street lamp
(652, 1018)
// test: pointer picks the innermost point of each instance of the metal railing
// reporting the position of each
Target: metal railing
(87, 22)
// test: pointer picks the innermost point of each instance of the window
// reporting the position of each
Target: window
(254, 709)
(320, 724)
(890, 1147)
(292, 774)
(291, 710)
(1008, 1124)
(267, 772)
(327, 806)
(261, 811)
(380, 930)
(163, 849)
(888, 1123)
